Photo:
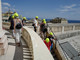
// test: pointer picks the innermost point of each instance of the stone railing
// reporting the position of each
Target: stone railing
(36, 45)
(63, 27)
(6, 25)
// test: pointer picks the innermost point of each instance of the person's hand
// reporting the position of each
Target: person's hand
(22, 29)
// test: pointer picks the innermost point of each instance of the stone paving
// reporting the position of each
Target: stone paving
(74, 41)
(14, 52)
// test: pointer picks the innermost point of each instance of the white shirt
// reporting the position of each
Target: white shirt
(35, 22)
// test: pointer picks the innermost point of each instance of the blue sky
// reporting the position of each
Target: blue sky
(69, 9)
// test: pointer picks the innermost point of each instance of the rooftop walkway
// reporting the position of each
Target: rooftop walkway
(23, 52)
(14, 52)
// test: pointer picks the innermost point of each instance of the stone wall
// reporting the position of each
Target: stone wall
(63, 27)
(3, 38)
(68, 34)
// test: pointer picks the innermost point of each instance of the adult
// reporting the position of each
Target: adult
(12, 25)
(24, 21)
(42, 28)
(35, 23)
(17, 28)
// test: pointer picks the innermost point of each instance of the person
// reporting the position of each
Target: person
(47, 43)
(12, 26)
(51, 37)
(24, 21)
(17, 28)
(43, 28)
(35, 23)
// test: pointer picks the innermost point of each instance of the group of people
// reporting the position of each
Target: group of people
(45, 35)
(17, 27)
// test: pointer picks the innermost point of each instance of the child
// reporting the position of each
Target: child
(47, 43)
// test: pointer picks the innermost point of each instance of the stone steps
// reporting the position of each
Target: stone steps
(27, 53)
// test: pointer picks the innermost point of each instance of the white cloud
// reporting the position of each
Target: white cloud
(64, 10)
(68, 8)
(7, 4)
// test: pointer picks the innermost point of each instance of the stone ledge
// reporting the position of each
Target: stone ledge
(40, 51)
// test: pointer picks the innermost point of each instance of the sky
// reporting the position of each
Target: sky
(49, 9)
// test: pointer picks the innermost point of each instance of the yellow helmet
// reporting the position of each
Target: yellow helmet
(16, 15)
(44, 22)
(36, 17)
(51, 33)
(47, 40)
(13, 16)
(24, 18)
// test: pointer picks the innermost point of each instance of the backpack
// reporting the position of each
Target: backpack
(18, 26)
(11, 27)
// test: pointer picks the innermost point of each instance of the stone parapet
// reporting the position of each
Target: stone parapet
(63, 27)
(36, 45)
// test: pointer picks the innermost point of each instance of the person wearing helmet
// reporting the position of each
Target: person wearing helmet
(42, 27)
(16, 15)
(12, 25)
(51, 38)
(45, 29)
(35, 23)
(24, 21)
(47, 43)
(17, 28)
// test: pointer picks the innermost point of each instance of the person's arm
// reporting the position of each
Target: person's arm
(14, 25)
(37, 23)
(33, 21)
(22, 21)
(21, 24)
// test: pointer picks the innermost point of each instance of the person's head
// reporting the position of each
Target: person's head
(47, 40)
(44, 22)
(51, 34)
(24, 18)
(16, 15)
(36, 17)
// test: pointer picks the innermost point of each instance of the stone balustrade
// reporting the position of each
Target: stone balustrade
(54, 27)
(36, 45)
